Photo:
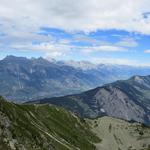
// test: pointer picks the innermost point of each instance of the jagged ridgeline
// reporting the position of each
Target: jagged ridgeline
(42, 127)
(25, 79)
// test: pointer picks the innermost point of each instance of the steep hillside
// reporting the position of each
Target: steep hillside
(46, 127)
(129, 100)
(25, 79)
(28, 127)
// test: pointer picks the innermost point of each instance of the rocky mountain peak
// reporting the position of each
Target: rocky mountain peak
(14, 58)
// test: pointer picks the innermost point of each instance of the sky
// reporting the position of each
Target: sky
(110, 31)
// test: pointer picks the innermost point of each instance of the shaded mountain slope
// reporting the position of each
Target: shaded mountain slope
(128, 99)
(28, 127)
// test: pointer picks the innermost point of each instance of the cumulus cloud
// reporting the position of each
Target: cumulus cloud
(21, 22)
(50, 49)
(85, 15)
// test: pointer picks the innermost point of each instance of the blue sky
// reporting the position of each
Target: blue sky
(104, 32)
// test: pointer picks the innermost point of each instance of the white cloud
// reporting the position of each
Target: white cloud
(104, 48)
(147, 51)
(21, 20)
(110, 60)
(51, 49)
(86, 15)
(54, 54)
(128, 42)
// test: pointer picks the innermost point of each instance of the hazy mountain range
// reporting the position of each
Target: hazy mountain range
(125, 99)
(25, 79)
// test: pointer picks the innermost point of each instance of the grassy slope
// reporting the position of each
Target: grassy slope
(43, 127)
(121, 135)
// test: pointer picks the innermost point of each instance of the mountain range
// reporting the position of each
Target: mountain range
(125, 99)
(24, 79)
(111, 116)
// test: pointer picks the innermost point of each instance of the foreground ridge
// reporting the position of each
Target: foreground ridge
(42, 127)
(47, 127)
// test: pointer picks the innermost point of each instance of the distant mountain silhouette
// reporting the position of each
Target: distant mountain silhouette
(23, 79)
